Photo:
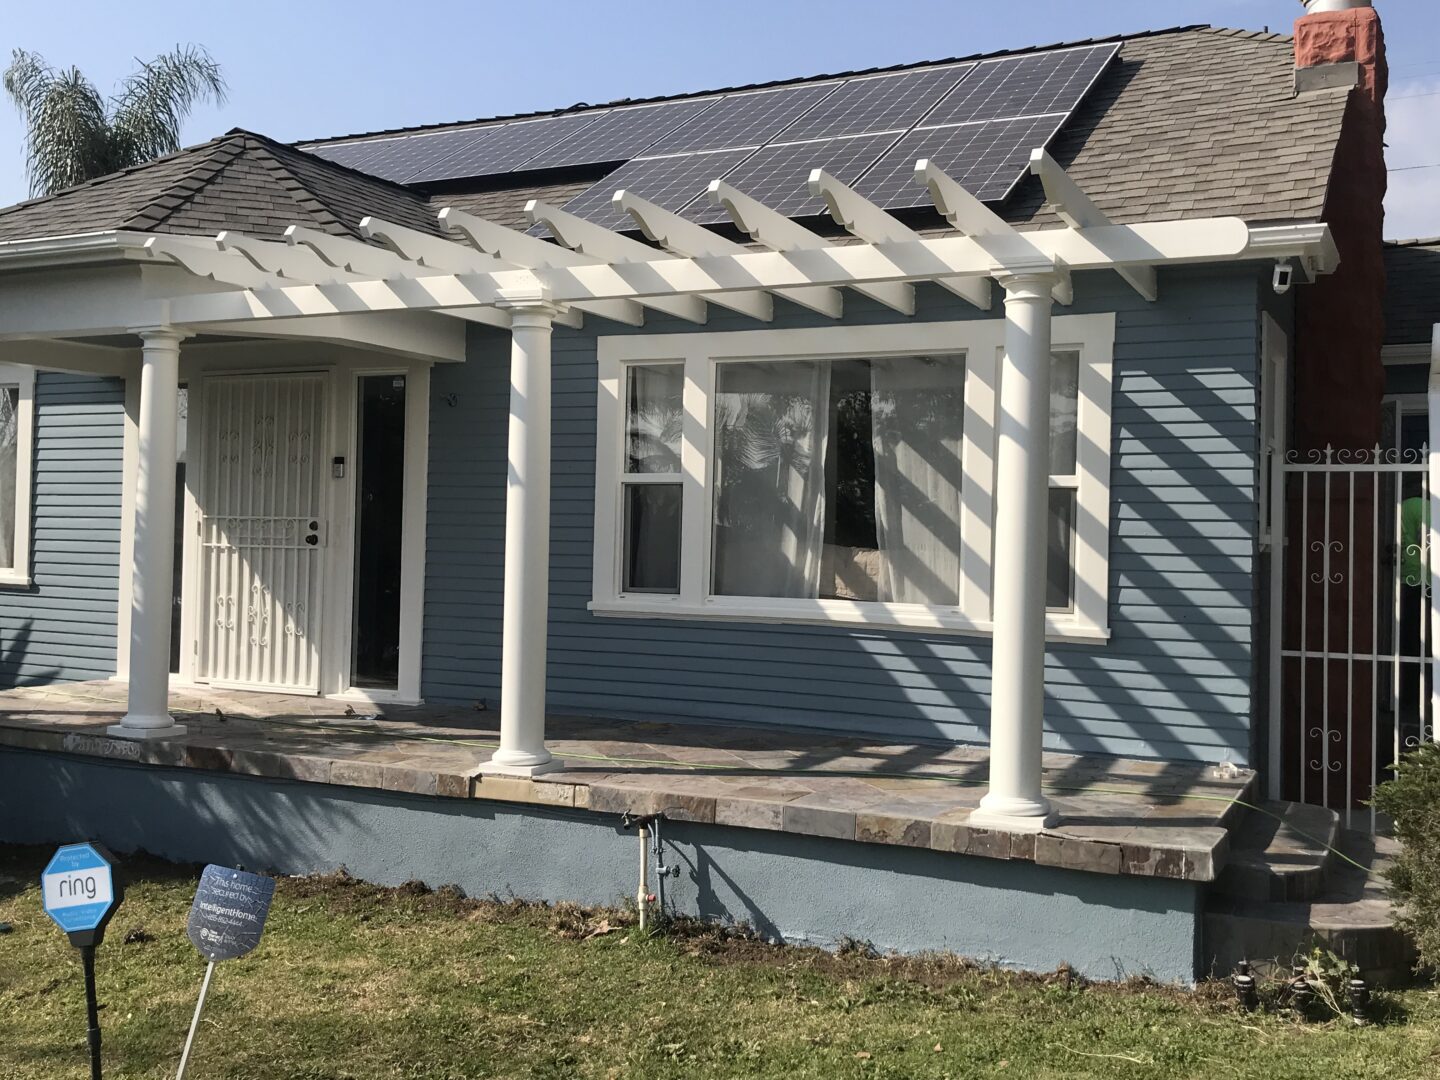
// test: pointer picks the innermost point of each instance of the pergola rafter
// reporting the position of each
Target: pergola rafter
(485, 272)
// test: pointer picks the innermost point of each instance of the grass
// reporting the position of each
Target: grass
(357, 981)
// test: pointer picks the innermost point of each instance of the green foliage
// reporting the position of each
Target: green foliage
(1412, 799)
(354, 981)
(74, 135)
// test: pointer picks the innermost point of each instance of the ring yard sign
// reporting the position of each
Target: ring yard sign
(78, 888)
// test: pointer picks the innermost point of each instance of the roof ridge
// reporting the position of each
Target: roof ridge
(298, 190)
(182, 190)
(1256, 35)
(303, 144)
(1414, 241)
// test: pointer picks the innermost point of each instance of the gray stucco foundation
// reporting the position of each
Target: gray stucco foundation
(794, 888)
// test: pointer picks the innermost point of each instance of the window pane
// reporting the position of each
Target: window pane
(1059, 559)
(652, 538)
(839, 479)
(918, 414)
(654, 418)
(771, 423)
(9, 416)
(1064, 411)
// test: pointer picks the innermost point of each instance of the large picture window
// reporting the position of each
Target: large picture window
(838, 475)
(17, 386)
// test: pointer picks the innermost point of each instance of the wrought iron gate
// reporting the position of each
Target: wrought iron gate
(262, 531)
(1356, 625)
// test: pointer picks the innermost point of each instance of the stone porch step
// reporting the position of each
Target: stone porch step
(1351, 917)
(1280, 852)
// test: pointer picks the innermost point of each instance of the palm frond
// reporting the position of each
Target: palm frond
(67, 130)
(154, 102)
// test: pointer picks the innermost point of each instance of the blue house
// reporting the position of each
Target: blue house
(936, 408)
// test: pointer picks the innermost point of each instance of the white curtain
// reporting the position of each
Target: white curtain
(771, 435)
(9, 408)
(917, 413)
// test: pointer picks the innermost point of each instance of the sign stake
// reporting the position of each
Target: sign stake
(195, 1023)
(92, 1009)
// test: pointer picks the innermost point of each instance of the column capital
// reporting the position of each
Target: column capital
(1029, 284)
(529, 304)
(161, 335)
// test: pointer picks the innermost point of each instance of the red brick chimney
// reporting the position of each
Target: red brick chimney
(1340, 321)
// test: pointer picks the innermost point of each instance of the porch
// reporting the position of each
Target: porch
(1118, 817)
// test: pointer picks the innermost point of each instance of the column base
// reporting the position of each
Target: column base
(502, 768)
(123, 730)
(1016, 815)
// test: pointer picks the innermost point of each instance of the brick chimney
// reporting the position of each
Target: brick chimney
(1340, 321)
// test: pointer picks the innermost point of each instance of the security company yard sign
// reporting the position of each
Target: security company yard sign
(80, 892)
(226, 921)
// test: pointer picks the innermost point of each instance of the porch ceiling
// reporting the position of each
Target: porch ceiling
(1138, 818)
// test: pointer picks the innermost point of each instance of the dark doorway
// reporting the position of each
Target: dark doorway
(379, 530)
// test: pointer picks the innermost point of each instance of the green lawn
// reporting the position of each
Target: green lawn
(355, 981)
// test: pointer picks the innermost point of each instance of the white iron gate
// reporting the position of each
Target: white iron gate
(1356, 623)
(262, 531)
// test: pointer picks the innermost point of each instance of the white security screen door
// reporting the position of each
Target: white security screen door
(262, 531)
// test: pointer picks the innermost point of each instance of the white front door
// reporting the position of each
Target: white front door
(262, 531)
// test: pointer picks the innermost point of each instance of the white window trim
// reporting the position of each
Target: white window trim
(982, 343)
(23, 376)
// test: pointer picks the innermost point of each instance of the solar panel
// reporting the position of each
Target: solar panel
(671, 182)
(750, 119)
(620, 135)
(778, 175)
(987, 159)
(504, 149)
(1029, 85)
(877, 103)
(401, 157)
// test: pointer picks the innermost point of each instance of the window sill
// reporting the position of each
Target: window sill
(11, 580)
(902, 617)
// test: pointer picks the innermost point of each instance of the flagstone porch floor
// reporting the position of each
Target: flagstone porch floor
(1118, 816)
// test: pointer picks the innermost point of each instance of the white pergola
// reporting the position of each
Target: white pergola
(408, 284)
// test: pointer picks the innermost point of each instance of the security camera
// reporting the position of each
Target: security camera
(1283, 279)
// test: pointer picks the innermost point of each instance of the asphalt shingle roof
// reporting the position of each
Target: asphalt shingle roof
(1412, 291)
(1188, 123)
(240, 181)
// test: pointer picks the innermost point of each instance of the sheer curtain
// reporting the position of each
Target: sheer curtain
(9, 408)
(917, 416)
(771, 434)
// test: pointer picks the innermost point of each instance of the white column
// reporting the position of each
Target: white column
(527, 549)
(1014, 801)
(148, 716)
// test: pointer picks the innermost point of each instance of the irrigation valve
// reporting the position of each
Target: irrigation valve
(1359, 1000)
(1245, 986)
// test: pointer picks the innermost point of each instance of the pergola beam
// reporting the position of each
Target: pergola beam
(683, 237)
(1073, 206)
(601, 244)
(861, 218)
(854, 266)
(778, 233)
(968, 215)
(518, 249)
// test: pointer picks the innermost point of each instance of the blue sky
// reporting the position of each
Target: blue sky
(305, 69)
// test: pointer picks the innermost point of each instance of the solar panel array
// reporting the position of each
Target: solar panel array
(977, 120)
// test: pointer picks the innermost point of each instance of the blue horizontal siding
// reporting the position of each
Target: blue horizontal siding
(63, 626)
(1176, 680)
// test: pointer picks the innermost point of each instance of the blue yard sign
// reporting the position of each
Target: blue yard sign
(78, 887)
(79, 891)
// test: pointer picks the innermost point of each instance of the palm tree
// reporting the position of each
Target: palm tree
(75, 135)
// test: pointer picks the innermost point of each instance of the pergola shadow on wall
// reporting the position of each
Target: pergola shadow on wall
(413, 292)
